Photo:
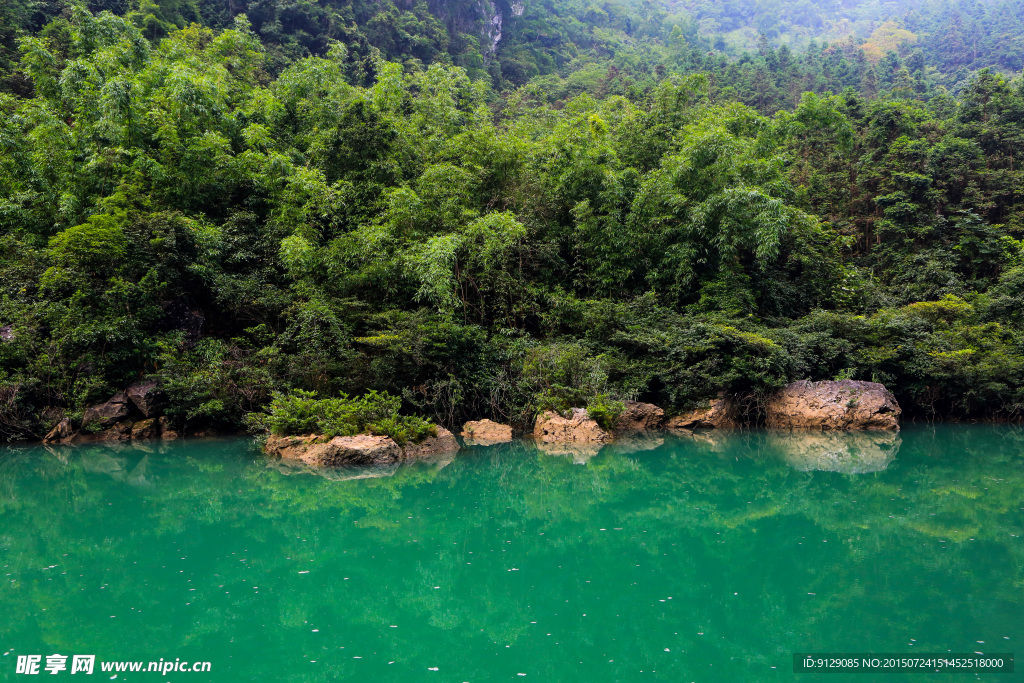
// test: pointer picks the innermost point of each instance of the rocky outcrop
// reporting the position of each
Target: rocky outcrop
(844, 404)
(579, 428)
(492, 29)
(167, 433)
(119, 431)
(485, 433)
(639, 417)
(118, 418)
(856, 453)
(147, 397)
(363, 450)
(61, 433)
(341, 451)
(444, 442)
(145, 429)
(106, 414)
(125, 430)
(719, 414)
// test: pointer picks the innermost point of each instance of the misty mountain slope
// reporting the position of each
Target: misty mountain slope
(509, 42)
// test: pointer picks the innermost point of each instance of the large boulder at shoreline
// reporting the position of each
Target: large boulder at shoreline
(107, 414)
(147, 397)
(639, 417)
(579, 428)
(444, 442)
(720, 413)
(61, 433)
(341, 451)
(843, 404)
(485, 433)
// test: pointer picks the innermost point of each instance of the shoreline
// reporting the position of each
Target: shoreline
(521, 434)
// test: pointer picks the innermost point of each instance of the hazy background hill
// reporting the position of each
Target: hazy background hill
(508, 43)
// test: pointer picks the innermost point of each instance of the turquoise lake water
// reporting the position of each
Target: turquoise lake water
(711, 558)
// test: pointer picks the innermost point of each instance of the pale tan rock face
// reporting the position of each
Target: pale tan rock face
(444, 442)
(319, 451)
(580, 428)
(720, 414)
(485, 433)
(640, 417)
(843, 404)
(363, 450)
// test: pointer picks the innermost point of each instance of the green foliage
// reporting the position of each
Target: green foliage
(301, 412)
(211, 383)
(605, 411)
(242, 206)
(563, 376)
(92, 249)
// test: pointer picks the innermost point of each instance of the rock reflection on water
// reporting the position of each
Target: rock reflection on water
(103, 461)
(126, 463)
(636, 443)
(580, 452)
(119, 463)
(845, 452)
(288, 467)
(292, 467)
(850, 452)
(714, 440)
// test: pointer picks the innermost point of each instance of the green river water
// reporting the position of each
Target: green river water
(711, 558)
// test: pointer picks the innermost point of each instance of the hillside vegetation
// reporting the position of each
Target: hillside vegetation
(615, 203)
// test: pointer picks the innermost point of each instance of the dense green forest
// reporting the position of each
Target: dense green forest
(629, 200)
